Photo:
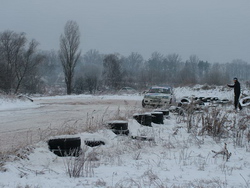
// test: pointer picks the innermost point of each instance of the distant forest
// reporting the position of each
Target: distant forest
(24, 68)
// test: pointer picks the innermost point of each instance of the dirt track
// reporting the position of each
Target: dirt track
(20, 127)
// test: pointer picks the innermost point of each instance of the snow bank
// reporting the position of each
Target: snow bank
(7, 103)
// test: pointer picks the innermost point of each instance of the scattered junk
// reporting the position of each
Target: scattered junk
(144, 119)
(71, 146)
(143, 138)
(206, 99)
(186, 100)
(176, 131)
(191, 103)
(245, 101)
(176, 110)
(223, 101)
(25, 97)
(64, 147)
(215, 99)
(209, 101)
(119, 127)
(224, 152)
(94, 143)
(198, 104)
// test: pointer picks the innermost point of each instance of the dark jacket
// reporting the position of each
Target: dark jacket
(236, 87)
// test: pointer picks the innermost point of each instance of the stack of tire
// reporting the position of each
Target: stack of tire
(144, 119)
(119, 127)
(157, 117)
(65, 146)
(165, 112)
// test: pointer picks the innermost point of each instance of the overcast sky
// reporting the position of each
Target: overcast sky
(214, 30)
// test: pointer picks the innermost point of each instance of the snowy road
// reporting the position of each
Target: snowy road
(25, 123)
(22, 126)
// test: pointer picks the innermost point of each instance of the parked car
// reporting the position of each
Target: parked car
(158, 96)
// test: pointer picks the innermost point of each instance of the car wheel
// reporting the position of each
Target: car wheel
(143, 104)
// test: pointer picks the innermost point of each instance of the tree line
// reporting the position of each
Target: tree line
(26, 69)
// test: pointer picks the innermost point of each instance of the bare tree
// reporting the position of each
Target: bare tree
(91, 77)
(93, 57)
(133, 62)
(217, 75)
(87, 78)
(239, 68)
(18, 62)
(154, 68)
(51, 68)
(203, 68)
(131, 66)
(69, 53)
(170, 67)
(112, 75)
(11, 47)
(27, 63)
(189, 71)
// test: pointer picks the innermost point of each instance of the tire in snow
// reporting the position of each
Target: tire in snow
(144, 119)
(119, 127)
(165, 112)
(157, 117)
(245, 101)
(65, 146)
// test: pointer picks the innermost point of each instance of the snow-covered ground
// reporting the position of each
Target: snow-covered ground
(175, 158)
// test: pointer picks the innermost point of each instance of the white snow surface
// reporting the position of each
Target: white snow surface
(174, 159)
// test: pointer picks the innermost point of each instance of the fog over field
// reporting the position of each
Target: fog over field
(215, 31)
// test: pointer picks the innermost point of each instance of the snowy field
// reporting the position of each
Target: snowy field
(179, 154)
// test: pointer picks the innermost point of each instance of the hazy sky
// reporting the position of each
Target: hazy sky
(214, 30)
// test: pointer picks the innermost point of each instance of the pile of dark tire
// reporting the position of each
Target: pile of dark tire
(71, 146)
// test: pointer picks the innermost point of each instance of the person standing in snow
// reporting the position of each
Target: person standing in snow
(236, 87)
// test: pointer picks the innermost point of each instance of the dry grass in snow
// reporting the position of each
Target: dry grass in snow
(179, 155)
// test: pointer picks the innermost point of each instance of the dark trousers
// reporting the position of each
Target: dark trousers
(236, 102)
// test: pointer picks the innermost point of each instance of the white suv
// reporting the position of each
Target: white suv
(158, 96)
